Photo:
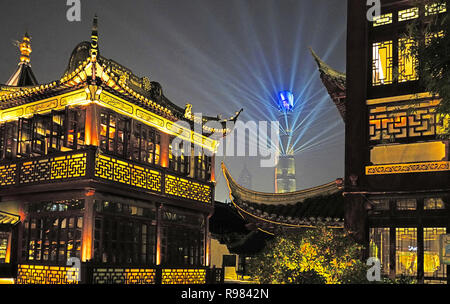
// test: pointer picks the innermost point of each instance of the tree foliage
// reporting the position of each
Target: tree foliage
(315, 256)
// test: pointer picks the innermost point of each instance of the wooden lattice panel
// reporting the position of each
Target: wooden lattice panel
(110, 168)
(390, 123)
(39, 274)
(123, 276)
(187, 189)
(183, 276)
(8, 174)
(55, 168)
(408, 168)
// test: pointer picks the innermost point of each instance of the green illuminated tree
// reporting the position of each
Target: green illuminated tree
(315, 256)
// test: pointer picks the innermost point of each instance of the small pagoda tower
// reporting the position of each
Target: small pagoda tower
(24, 75)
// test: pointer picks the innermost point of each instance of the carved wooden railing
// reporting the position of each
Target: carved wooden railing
(90, 164)
(87, 273)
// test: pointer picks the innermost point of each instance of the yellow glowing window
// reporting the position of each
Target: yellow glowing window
(382, 20)
(407, 61)
(433, 204)
(406, 204)
(408, 14)
(382, 63)
(435, 8)
(406, 251)
(431, 264)
(380, 246)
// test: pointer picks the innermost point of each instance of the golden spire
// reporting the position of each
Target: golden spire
(25, 49)
(94, 39)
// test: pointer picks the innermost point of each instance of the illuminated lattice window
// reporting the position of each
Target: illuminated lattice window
(124, 234)
(433, 204)
(51, 237)
(114, 133)
(407, 61)
(408, 14)
(399, 122)
(75, 128)
(381, 204)
(406, 251)
(382, 63)
(407, 204)
(382, 20)
(379, 246)
(182, 238)
(8, 135)
(145, 144)
(179, 159)
(202, 166)
(431, 263)
(4, 237)
(435, 8)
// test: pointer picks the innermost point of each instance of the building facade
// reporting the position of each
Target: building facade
(397, 169)
(91, 188)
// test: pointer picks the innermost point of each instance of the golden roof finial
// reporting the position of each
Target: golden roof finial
(25, 49)
(94, 39)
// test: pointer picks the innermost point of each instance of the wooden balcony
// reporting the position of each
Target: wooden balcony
(91, 164)
(88, 273)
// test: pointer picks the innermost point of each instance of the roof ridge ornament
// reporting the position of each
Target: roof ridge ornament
(25, 49)
(94, 40)
(23, 76)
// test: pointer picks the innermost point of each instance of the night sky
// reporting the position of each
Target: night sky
(218, 55)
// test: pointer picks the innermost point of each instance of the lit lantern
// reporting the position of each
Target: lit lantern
(286, 101)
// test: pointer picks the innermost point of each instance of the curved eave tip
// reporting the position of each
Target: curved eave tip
(238, 114)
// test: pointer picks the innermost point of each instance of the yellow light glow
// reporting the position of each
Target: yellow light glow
(408, 168)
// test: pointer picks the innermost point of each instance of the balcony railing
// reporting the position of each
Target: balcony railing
(87, 273)
(91, 164)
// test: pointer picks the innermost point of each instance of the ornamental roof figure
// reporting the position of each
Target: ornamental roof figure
(24, 75)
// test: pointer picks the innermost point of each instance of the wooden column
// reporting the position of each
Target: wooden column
(392, 262)
(92, 126)
(165, 142)
(87, 244)
(207, 258)
(420, 243)
(158, 233)
(213, 168)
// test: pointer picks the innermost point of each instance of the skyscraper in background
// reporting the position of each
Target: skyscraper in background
(285, 180)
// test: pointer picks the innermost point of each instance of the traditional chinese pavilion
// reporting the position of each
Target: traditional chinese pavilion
(90, 189)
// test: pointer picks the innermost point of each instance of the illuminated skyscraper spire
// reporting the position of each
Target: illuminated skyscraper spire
(285, 180)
